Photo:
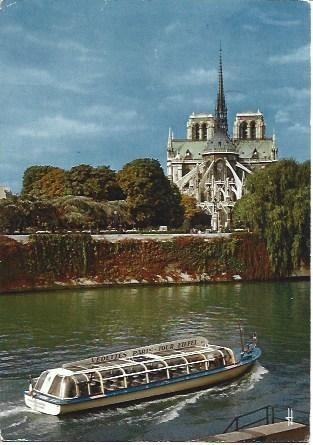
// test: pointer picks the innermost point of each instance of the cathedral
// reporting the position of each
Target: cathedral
(210, 165)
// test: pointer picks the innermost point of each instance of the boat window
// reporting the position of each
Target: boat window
(95, 387)
(55, 387)
(177, 366)
(213, 363)
(135, 375)
(114, 384)
(111, 373)
(68, 388)
(83, 389)
(197, 362)
(81, 381)
(218, 360)
(40, 381)
(155, 375)
(157, 371)
(227, 357)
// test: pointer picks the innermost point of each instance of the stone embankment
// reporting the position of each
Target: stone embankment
(276, 432)
(47, 261)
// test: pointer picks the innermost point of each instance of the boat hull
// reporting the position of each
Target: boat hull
(148, 391)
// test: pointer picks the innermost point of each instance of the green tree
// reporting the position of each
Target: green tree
(32, 175)
(152, 200)
(43, 216)
(11, 217)
(77, 212)
(19, 214)
(190, 207)
(277, 207)
(194, 216)
(98, 183)
(51, 185)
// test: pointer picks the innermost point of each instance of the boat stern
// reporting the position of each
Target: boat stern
(41, 406)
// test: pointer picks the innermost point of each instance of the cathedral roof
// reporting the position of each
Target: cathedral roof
(180, 147)
(184, 148)
(246, 148)
(219, 143)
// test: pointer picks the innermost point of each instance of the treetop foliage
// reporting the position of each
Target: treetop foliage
(98, 183)
(32, 175)
(87, 197)
(277, 206)
(151, 198)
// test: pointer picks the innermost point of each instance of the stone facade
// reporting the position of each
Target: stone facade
(5, 192)
(211, 166)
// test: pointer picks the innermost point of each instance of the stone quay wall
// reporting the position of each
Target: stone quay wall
(48, 261)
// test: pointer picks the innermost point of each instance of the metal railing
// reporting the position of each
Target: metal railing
(268, 415)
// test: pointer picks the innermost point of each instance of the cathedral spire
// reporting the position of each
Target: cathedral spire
(220, 108)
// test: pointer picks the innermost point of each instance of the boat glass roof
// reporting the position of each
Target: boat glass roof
(210, 351)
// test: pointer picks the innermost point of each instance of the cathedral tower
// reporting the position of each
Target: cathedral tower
(210, 165)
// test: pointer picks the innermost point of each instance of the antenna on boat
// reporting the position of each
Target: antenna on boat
(241, 336)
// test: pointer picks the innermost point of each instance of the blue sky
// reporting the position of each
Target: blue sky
(101, 81)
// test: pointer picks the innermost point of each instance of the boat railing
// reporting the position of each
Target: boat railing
(127, 362)
(147, 373)
(100, 379)
(268, 414)
(175, 346)
(135, 371)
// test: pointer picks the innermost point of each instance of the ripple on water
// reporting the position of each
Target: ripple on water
(154, 315)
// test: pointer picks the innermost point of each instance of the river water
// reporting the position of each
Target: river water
(44, 329)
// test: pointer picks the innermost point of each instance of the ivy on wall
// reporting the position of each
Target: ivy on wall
(47, 259)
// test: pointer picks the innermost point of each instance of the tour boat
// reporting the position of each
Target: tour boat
(158, 370)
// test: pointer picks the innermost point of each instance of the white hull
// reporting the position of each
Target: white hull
(131, 396)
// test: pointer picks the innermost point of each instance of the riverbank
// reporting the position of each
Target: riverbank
(77, 260)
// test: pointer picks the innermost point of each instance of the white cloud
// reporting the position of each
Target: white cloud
(235, 96)
(173, 100)
(76, 49)
(250, 28)
(282, 116)
(205, 102)
(297, 94)
(18, 76)
(298, 128)
(297, 55)
(37, 77)
(110, 113)
(267, 19)
(171, 27)
(195, 76)
(58, 127)
(11, 29)
(94, 121)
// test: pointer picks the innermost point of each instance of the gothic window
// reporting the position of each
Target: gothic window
(253, 130)
(243, 132)
(204, 127)
(219, 176)
(196, 130)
